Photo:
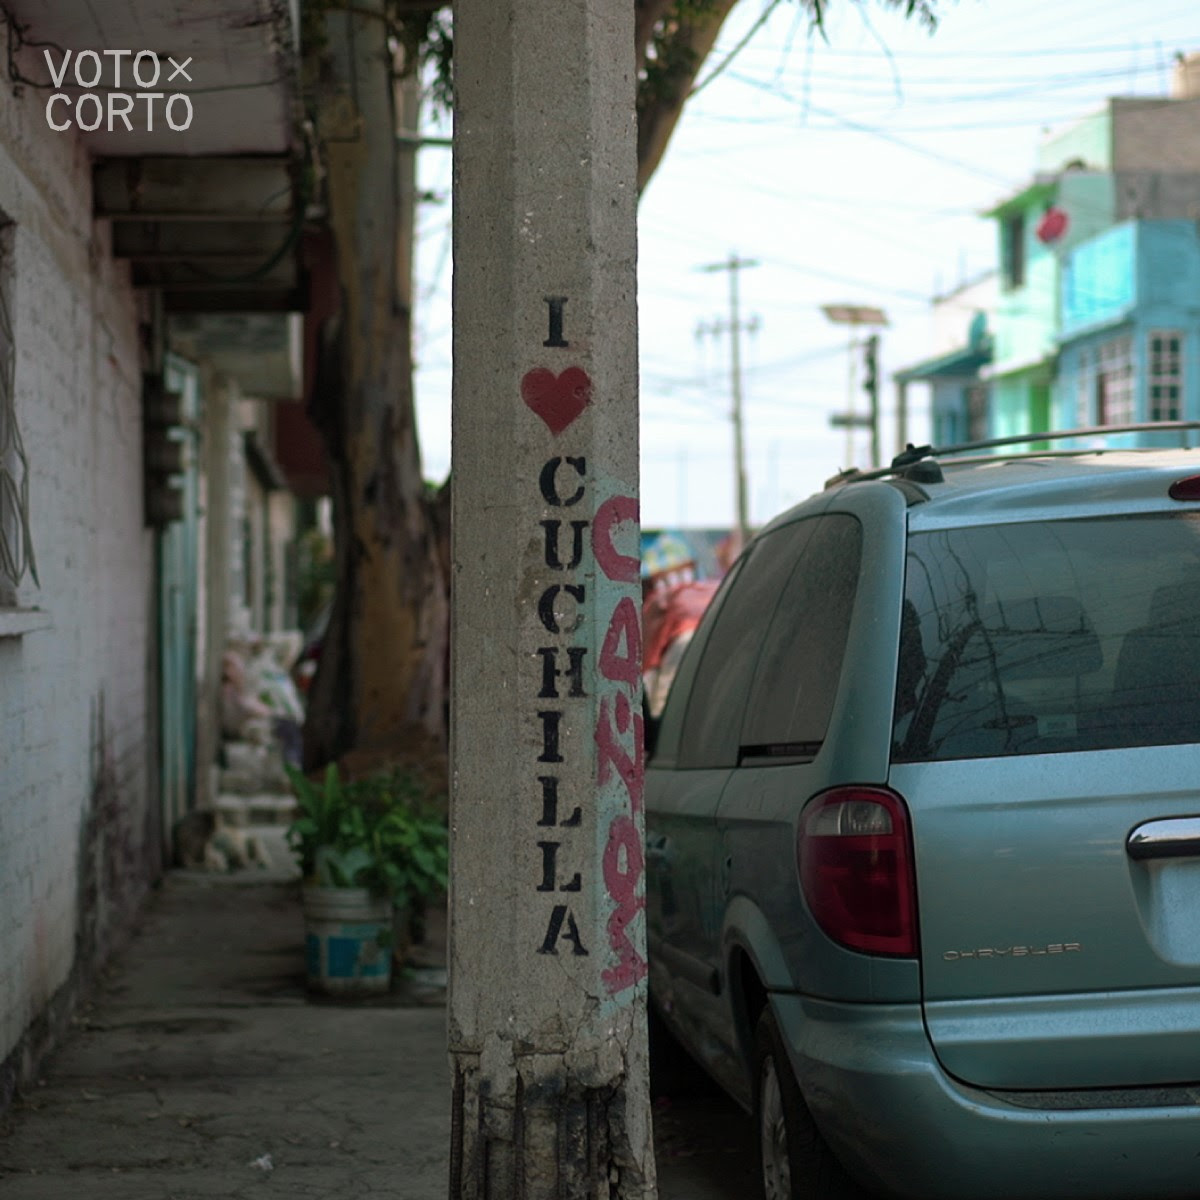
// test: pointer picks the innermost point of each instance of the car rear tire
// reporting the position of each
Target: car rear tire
(795, 1162)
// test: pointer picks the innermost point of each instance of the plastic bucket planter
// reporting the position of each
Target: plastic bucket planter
(402, 937)
(348, 941)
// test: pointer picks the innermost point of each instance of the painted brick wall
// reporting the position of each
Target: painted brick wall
(76, 843)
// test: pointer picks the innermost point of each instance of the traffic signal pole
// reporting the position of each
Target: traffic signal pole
(856, 316)
(871, 387)
(547, 1001)
(850, 420)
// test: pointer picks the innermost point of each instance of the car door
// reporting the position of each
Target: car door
(783, 733)
(696, 753)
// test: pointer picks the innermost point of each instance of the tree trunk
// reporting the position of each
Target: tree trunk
(660, 107)
(380, 687)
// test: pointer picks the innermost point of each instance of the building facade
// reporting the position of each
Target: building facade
(149, 299)
(1095, 320)
(1129, 336)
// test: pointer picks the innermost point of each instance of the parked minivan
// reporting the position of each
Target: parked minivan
(923, 831)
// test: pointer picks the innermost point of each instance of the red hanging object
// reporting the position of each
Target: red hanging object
(1052, 226)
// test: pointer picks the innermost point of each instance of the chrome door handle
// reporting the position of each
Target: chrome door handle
(1172, 837)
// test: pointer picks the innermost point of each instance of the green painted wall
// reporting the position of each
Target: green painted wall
(1026, 315)
(1027, 318)
(1089, 141)
(1020, 402)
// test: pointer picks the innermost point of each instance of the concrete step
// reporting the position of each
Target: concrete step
(263, 809)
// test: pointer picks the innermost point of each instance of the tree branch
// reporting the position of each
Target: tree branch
(680, 44)
(647, 15)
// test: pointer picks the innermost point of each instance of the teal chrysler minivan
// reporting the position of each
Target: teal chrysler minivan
(923, 830)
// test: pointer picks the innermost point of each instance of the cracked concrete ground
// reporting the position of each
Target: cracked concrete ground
(201, 1069)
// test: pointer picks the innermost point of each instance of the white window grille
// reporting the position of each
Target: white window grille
(1165, 375)
(1114, 382)
(1084, 385)
(16, 547)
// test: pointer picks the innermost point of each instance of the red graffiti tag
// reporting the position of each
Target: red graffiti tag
(557, 399)
(625, 625)
(618, 727)
(613, 756)
(621, 568)
(622, 882)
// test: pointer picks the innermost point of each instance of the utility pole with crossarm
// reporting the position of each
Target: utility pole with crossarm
(734, 265)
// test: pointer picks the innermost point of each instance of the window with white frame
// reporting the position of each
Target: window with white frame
(1165, 375)
(1084, 384)
(1114, 382)
(16, 550)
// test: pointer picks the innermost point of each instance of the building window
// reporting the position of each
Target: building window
(1166, 375)
(1084, 384)
(16, 547)
(1114, 382)
(1013, 247)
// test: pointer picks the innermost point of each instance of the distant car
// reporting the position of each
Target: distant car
(923, 832)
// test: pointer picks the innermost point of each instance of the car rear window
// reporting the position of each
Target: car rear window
(1050, 637)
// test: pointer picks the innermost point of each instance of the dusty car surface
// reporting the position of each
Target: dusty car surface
(923, 832)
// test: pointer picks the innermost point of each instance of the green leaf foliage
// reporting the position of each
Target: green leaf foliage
(384, 833)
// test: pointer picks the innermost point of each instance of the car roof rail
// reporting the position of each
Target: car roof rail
(920, 464)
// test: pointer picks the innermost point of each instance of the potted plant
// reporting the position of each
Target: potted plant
(366, 848)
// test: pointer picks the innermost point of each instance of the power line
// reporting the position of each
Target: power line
(884, 135)
(998, 55)
(786, 122)
(741, 45)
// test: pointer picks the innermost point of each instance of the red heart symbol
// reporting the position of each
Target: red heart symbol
(557, 399)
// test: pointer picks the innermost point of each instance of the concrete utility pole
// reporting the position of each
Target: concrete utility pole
(547, 954)
(734, 265)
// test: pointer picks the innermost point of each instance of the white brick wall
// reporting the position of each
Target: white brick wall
(74, 852)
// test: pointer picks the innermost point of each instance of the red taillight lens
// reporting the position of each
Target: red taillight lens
(854, 850)
(1185, 489)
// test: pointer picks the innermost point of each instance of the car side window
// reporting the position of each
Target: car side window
(792, 695)
(717, 701)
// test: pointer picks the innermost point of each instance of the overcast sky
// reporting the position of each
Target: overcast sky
(852, 170)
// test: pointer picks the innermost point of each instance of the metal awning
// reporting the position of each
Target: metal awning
(209, 213)
(957, 364)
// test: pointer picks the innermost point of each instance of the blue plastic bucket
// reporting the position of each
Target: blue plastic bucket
(348, 941)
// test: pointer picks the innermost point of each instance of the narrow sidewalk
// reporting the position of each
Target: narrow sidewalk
(202, 1069)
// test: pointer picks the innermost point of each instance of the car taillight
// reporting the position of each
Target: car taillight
(1185, 489)
(854, 851)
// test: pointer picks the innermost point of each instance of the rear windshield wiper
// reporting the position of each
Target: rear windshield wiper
(776, 751)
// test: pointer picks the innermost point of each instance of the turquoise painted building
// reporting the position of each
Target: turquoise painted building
(1024, 361)
(1129, 340)
(958, 398)
(1097, 317)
